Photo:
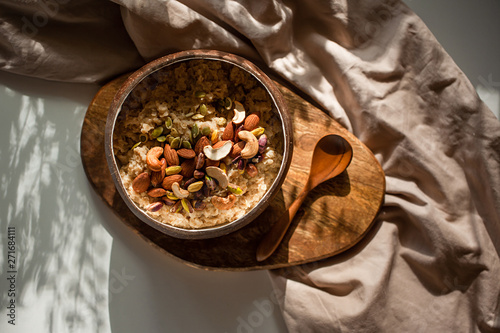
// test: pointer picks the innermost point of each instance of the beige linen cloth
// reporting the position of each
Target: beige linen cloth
(431, 263)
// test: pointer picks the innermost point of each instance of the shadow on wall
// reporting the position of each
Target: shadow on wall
(59, 247)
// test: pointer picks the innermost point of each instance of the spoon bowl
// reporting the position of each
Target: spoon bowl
(332, 155)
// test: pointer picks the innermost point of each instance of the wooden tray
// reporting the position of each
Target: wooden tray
(333, 218)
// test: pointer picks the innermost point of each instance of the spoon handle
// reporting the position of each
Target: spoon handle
(273, 238)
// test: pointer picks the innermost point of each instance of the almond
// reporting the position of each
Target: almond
(202, 143)
(228, 133)
(186, 153)
(171, 155)
(157, 192)
(187, 168)
(168, 181)
(141, 182)
(237, 148)
(219, 144)
(252, 121)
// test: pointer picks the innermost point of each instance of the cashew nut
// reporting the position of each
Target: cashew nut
(223, 203)
(219, 175)
(252, 144)
(217, 154)
(179, 192)
(239, 113)
(152, 158)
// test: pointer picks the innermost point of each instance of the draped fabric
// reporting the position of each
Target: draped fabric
(431, 263)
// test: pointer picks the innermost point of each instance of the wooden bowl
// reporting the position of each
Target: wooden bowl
(279, 107)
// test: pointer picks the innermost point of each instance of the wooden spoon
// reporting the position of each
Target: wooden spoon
(331, 157)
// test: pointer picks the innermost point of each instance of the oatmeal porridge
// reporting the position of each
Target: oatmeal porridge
(198, 144)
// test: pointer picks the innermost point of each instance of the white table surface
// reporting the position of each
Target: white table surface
(80, 269)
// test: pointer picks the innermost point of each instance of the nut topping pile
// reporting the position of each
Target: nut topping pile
(189, 174)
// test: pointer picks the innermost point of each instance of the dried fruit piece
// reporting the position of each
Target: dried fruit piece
(168, 181)
(186, 153)
(141, 182)
(152, 158)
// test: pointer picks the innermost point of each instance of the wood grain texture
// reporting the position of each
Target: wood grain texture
(334, 217)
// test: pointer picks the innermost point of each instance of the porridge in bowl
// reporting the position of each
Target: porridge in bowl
(198, 143)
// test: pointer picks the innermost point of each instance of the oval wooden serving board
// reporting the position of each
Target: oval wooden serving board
(333, 218)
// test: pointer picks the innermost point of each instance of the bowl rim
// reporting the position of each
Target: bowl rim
(279, 105)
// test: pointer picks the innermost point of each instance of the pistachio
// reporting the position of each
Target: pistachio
(195, 187)
(235, 189)
(258, 131)
(262, 143)
(177, 207)
(199, 205)
(161, 138)
(200, 161)
(172, 196)
(167, 201)
(251, 170)
(173, 170)
(143, 138)
(154, 207)
(198, 174)
(187, 205)
(210, 182)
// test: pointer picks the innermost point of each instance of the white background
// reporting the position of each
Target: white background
(80, 269)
